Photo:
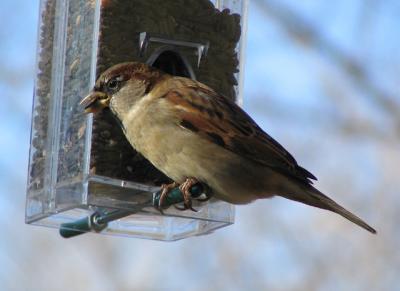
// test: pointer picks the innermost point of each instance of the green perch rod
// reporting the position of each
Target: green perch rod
(99, 219)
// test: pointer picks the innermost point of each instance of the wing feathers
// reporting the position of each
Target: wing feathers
(224, 123)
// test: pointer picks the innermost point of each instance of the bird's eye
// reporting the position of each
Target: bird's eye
(113, 84)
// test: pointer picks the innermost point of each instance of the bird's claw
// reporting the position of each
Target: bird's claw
(187, 196)
(165, 188)
(185, 188)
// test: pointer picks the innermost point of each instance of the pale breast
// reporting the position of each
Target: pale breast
(181, 153)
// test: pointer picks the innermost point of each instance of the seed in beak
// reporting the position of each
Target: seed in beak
(95, 102)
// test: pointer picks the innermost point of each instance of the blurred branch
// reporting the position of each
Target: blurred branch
(349, 126)
(309, 36)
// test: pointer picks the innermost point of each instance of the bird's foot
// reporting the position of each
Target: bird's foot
(187, 196)
(165, 189)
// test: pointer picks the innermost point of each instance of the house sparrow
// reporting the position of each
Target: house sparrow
(191, 133)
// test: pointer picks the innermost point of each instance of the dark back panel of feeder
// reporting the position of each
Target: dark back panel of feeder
(192, 20)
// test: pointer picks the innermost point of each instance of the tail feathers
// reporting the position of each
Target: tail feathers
(315, 198)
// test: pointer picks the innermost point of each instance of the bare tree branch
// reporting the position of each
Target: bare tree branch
(308, 35)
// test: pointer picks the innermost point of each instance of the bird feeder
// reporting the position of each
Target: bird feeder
(81, 167)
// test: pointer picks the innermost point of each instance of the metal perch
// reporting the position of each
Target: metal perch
(99, 220)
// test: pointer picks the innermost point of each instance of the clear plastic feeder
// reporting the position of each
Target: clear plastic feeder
(82, 163)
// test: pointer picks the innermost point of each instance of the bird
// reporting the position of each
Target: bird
(194, 135)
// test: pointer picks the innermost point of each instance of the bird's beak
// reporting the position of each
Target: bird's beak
(95, 102)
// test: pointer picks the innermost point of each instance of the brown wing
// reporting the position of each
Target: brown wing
(221, 121)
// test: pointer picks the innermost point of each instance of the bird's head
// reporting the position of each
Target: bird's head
(120, 87)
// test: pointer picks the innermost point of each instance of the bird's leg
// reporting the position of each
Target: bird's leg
(187, 197)
(165, 188)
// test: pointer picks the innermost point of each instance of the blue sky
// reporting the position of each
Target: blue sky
(300, 95)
